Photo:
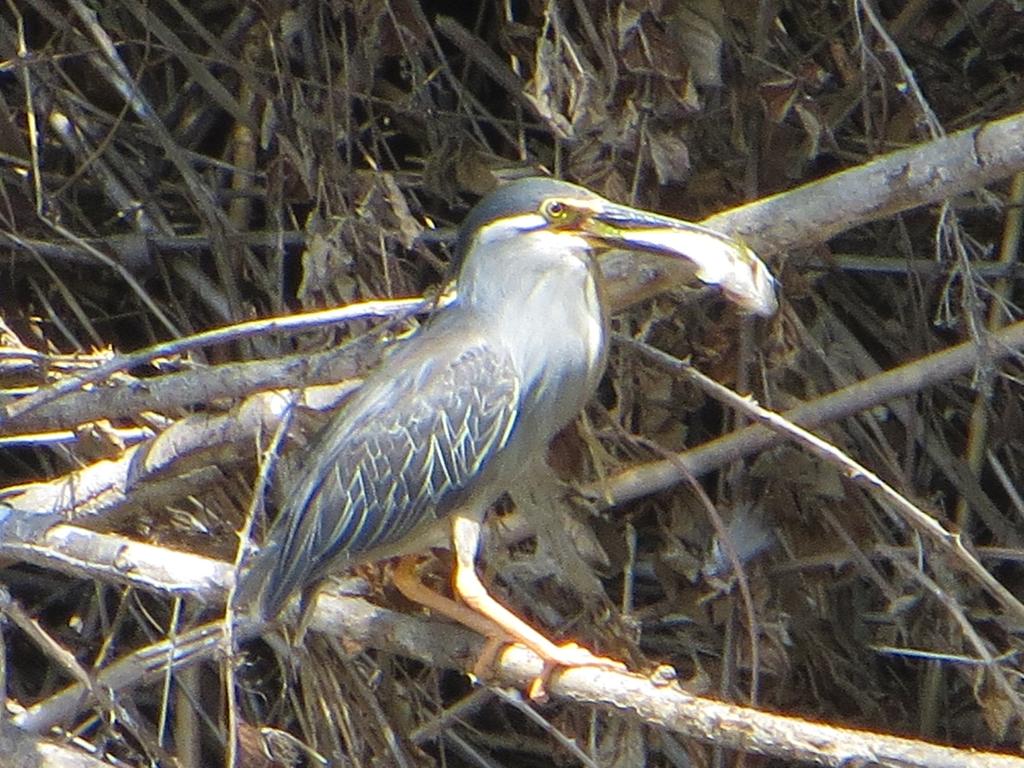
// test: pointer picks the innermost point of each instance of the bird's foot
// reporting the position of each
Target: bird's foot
(555, 657)
(488, 659)
(575, 655)
(568, 655)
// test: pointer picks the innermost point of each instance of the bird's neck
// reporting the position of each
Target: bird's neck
(556, 332)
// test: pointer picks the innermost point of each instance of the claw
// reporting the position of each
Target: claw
(568, 656)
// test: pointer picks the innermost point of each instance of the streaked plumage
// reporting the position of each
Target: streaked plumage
(399, 455)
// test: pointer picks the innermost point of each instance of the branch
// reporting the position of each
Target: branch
(656, 699)
(812, 213)
(640, 481)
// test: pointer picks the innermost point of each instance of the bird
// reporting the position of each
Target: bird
(462, 409)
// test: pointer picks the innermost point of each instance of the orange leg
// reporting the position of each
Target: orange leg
(485, 615)
(407, 580)
(466, 538)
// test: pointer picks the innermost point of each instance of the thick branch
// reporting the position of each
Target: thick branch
(812, 213)
(656, 699)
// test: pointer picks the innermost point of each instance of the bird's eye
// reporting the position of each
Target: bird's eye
(555, 209)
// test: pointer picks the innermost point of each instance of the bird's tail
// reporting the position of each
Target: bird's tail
(259, 592)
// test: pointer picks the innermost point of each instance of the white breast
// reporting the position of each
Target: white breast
(545, 309)
(561, 351)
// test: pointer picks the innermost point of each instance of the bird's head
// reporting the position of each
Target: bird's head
(543, 224)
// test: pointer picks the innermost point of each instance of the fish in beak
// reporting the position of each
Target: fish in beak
(719, 259)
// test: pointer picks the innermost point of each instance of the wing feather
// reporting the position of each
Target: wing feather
(411, 442)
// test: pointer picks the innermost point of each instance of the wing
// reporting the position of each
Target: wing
(412, 440)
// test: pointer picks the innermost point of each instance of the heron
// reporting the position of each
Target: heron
(462, 410)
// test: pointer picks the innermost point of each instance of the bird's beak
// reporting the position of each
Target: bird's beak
(719, 259)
